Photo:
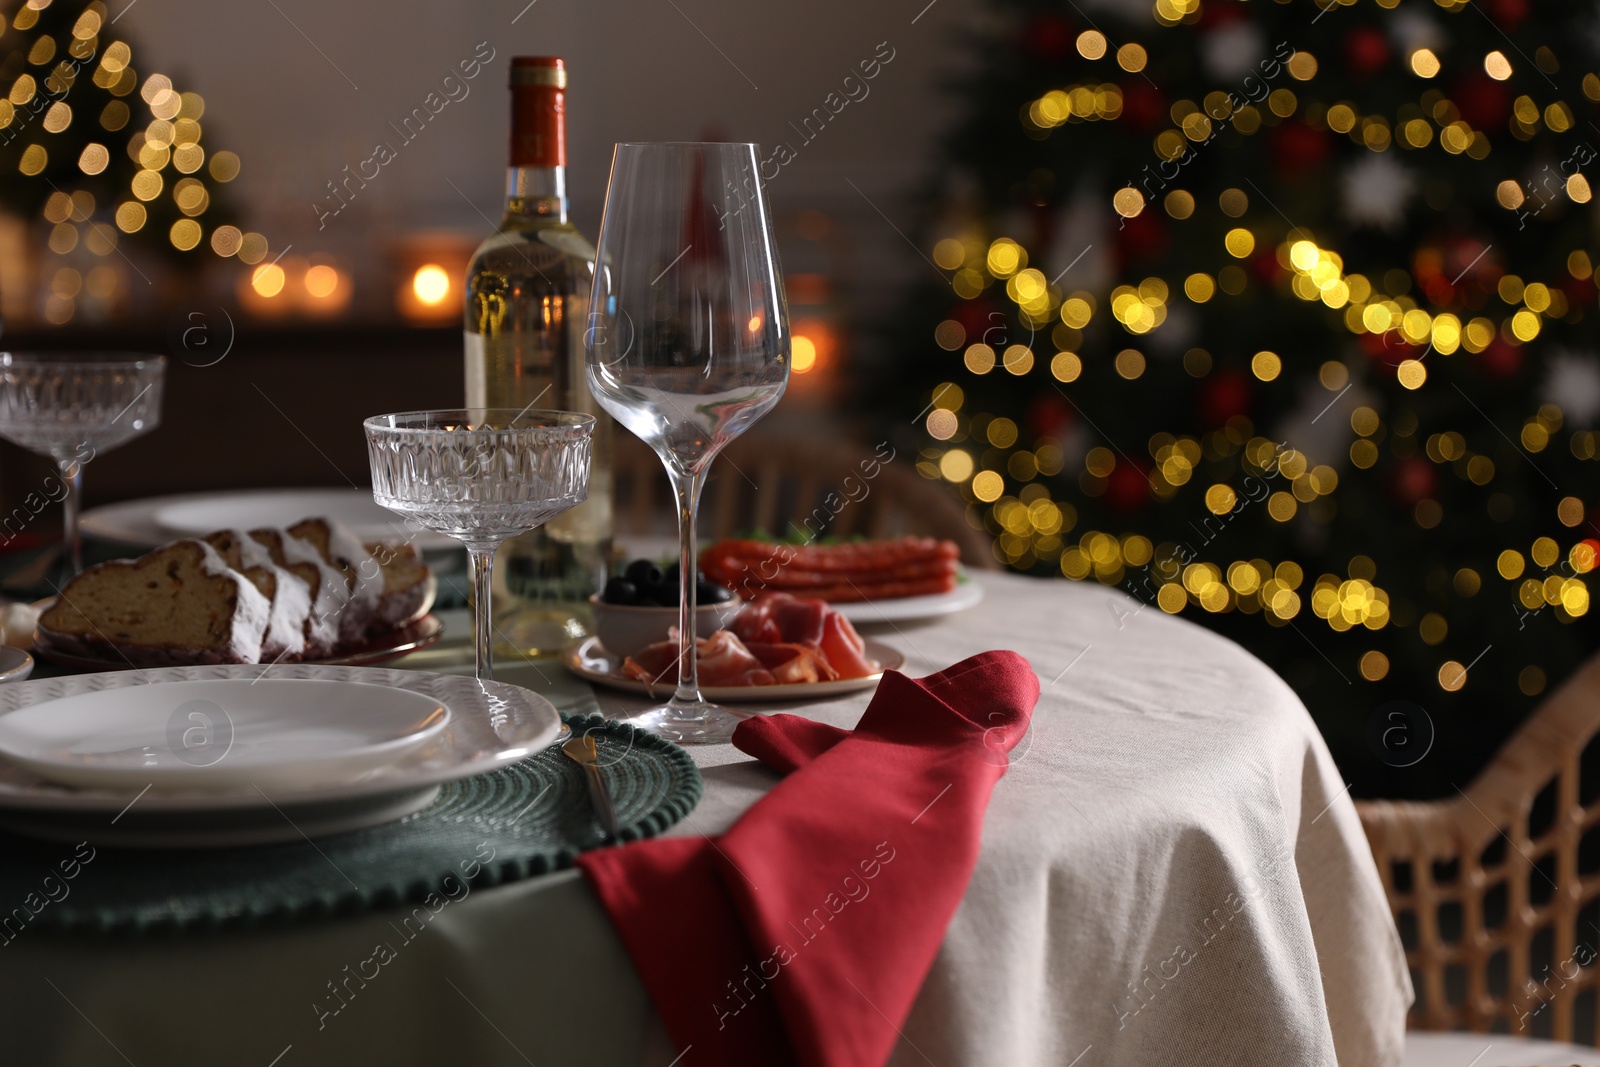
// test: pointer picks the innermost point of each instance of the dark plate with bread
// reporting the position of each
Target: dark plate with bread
(377, 648)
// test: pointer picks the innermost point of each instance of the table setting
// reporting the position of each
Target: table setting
(286, 787)
(1202, 812)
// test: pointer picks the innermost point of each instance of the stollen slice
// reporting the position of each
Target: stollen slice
(290, 596)
(344, 552)
(328, 588)
(179, 604)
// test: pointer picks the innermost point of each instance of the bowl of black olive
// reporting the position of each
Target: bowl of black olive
(640, 604)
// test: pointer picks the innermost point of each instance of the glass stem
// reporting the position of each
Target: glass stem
(482, 559)
(688, 487)
(71, 505)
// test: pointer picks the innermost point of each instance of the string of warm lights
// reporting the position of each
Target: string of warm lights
(61, 133)
(1028, 486)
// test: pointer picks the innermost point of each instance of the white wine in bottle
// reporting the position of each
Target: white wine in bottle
(527, 305)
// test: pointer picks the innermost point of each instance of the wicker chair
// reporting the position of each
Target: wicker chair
(1493, 890)
(823, 485)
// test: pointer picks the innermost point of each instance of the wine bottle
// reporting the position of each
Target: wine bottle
(527, 306)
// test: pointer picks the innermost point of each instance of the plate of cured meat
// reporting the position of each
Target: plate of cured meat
(779, 647)
(865, 581)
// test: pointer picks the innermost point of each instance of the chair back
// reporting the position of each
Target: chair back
(1494, 889)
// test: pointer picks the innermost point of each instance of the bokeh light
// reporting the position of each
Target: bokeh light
(431, 284)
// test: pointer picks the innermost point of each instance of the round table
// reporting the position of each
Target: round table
(1172, 872)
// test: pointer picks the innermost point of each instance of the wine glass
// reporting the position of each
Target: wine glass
(71, 406)
(480, 476)
(688, 343)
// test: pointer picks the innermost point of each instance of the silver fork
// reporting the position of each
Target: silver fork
(581, 749)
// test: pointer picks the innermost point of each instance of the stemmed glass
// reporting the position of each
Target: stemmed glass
(480, 476)
(688, 343)
(71, 406)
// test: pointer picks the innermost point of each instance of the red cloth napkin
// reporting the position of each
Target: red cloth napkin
(802, 935)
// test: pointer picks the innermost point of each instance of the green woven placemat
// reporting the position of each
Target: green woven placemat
(530, 818)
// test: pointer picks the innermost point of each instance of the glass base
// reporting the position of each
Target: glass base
(700, 723)
(527, 630)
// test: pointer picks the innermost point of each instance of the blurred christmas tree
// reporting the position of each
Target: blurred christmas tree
(1282, 316)
(102, 153)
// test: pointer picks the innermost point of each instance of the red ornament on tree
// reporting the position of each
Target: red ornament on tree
(1128, 488)
(1213, 16)
(1508, 14)
(1483, 102)
(1366, 51)
(1142, 238)
(1413, 480)
(1049, 415)
(1579, 291)
(1143, 106)
(1501, 360)
(1297, 149)
(1045, 216)
(979, 318)
(1439, 291)
(1265, 266)
(1390, 349)
(1472, 265)
(1047, 37)
(1223, 395)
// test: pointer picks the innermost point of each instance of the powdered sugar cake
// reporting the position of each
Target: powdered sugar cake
(235, 597)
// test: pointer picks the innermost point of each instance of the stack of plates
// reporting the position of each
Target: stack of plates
(156, 520)
(232, 755)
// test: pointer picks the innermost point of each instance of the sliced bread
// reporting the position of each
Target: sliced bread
(326, 586)
(408, 586)
(343, 550)
(179, 604)
(285, 640)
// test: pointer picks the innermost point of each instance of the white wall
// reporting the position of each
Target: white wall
(301, 88)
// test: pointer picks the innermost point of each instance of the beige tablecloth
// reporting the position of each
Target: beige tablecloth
(1172, 873)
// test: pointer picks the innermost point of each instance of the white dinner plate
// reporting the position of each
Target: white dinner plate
(220, 733)
(157, 520)
(591, 661)
(903, 609)
(491, 724)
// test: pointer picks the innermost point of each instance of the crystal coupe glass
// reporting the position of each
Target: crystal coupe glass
(71, 406)
(480, 476)
(688, 343)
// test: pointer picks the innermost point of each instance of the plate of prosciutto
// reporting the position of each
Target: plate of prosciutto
(779, 647)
